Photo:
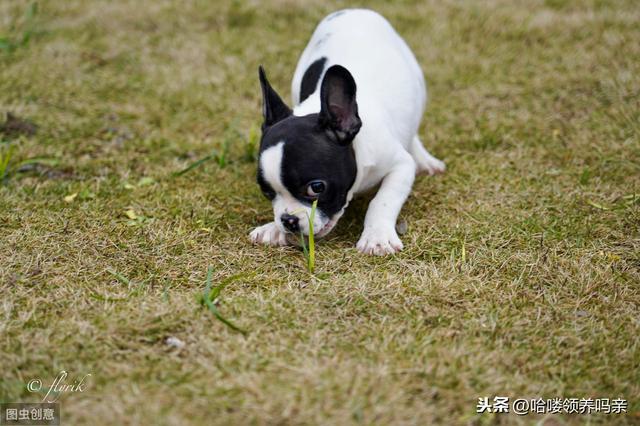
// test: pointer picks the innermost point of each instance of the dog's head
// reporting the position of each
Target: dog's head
(308, 158)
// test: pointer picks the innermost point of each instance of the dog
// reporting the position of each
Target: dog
(359, 96)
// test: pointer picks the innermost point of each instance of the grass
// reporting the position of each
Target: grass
(211, 296)
(10, 167)
(18, 36)
(520, 269)
(250, 146)
(310, 250)
(6, 155)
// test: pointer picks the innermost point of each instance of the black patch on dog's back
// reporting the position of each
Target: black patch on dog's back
(311, 77)
(335, 14)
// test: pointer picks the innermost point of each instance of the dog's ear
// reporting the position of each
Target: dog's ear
(273, 108)
(338, 107)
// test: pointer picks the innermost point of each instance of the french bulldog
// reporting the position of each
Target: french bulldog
(358, 95)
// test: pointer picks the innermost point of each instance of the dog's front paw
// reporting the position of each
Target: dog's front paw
(379, 241)
(432, 166)
(268, 234)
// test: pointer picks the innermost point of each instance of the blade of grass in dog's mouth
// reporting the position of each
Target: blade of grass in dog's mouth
(310, 249)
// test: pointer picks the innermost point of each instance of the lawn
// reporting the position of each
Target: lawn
(520, 275)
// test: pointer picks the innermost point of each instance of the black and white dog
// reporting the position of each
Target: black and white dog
(359, 95)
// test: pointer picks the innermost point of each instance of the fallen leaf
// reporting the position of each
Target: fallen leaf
(612, 257)
(131, 214)
(146, 181)
(69, 198)
(597, 206)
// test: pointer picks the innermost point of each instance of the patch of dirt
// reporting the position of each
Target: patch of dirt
(15, 126)
(47, 171)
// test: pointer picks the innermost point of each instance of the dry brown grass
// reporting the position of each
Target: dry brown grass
(534, 106)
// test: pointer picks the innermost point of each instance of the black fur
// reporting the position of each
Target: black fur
(311, 78)
(266, 189)
(273, 108)
(316, 146)
(309, 155)
(335, 15)
(339, 110)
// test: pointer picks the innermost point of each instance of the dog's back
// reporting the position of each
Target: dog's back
(389, 80)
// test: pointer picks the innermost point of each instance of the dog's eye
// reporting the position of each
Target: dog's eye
(315, 188)
(269, 194)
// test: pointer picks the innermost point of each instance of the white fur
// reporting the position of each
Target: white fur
(391, 96)
(271, 165)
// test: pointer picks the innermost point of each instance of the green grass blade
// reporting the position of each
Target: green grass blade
(312, 244)
(31, 12)
(107, 298)
(207, 299)
(120, 277)
(310, 250)
(6, 44)
(303, 243)
(45, 161)
(222, 157)
(195, 164)
(215, 291)
(222, 319)
(4, 161)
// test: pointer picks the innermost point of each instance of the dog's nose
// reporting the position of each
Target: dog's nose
(290, 222)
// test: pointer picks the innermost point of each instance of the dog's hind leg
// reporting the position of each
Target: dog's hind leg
(426, 163)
